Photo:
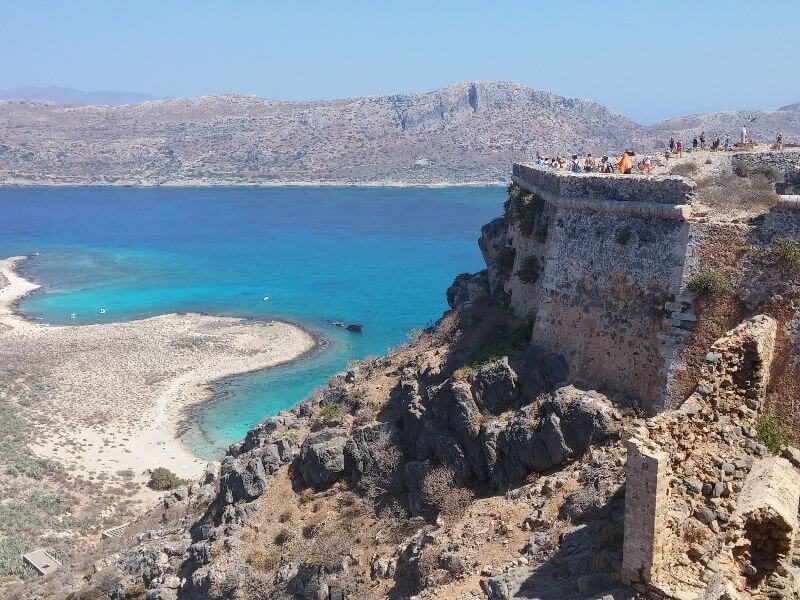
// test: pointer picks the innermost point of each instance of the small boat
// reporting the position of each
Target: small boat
(102, 311)
(265, 298)
(72, 316)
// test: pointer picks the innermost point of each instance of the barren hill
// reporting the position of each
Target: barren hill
(462, 133)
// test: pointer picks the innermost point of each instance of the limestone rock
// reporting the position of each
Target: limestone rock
(321, 459)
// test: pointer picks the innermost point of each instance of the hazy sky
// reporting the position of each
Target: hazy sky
(648, 60)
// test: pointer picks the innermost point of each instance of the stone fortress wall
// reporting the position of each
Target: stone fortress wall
(614, 255)
(612, 265)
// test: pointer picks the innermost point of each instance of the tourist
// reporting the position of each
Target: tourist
(703, 141)
(672, 144)
(588, 164)
(679, 148)
(647, 163)
(715, 144)
(694, 144)
(624, 165)
(779, 142)
(727, 144)
(575, 165)
(744, 134)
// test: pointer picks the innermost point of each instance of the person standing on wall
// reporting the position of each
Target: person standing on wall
(624, 165)
(779, 142)
(744, 134)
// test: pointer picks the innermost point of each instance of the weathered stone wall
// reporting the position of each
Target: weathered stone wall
(612, 262)
(705, 502)
(785, 162)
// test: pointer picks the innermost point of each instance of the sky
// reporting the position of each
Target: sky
(647, 60)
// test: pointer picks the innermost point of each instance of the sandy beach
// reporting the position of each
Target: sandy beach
(107, 398)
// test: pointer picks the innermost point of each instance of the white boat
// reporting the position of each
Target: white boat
(72, 316)
(265, 298)
(102, 311)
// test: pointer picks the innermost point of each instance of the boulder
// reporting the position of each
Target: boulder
(585, 417)
(496, 387)
(242, 479)
(260, 434)
(321, 459)
(374, 450)
(309, 583)
(454, 405)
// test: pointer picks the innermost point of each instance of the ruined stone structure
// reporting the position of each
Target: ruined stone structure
(612, 251)
(708, 508)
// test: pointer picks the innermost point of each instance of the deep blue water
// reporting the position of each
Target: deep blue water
(378, 256)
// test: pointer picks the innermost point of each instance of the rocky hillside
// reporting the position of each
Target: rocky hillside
(476, 463)
(466, 132)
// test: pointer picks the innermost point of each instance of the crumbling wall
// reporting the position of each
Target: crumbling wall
(724, 510)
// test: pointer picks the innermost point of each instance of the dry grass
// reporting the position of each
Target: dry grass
(753, 194)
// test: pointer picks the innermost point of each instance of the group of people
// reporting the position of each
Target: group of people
(591, 165)
(699, 142)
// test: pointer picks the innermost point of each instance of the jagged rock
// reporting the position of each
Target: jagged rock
(200, 553)
(453, 403)
(381, 567)
(162, 593)
(468, 290)
(321, 459)
(375, 449)
(242, 480)
(145, 562)
(553, 439)
(309, 583)
(261, 434)
(585, 417)
(496, 386)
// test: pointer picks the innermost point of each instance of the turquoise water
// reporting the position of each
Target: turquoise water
(382, 257)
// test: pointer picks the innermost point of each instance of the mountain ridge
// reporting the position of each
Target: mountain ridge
(466, 132)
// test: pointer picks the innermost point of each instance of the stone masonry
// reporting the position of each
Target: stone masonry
(709, 511)
(613, 265)
(646, 503)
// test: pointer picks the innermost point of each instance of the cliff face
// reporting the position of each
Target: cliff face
(491, 458)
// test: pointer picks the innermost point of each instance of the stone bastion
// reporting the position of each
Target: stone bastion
(613, 254)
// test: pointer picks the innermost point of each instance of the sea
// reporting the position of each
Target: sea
(381, 257)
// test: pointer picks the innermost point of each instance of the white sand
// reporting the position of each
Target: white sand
(108, 397)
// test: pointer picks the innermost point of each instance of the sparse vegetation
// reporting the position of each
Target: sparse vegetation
(441, 493)
(623, 236)
(772, 433)
(709, 283)
(741, 169)
(162, 478)
(505, 260)
(523, 207)
(787, 251)
(749, 193)
(529, 270)
(330, 414)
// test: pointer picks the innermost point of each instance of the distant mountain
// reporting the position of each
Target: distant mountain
(467, 132)
(64, 95)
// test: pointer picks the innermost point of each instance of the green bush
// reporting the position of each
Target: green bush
(164, 479)
(523, 207)
(11, 551)
(788, 251)
(529, 270)
(709, 283)
(330, 414)
(772, 433)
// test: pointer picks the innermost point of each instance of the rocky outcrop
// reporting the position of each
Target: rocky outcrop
(321, 459)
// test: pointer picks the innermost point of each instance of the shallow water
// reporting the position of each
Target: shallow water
(378, 256)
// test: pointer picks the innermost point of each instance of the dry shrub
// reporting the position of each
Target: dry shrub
(754, 193)
(286, 515)
(284, 536)
(686, 169)
(264, 558)
(440, 492)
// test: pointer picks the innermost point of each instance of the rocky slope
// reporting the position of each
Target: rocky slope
(468, 132)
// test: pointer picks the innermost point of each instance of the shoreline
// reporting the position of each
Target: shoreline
(244, 184)
(184, 354)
